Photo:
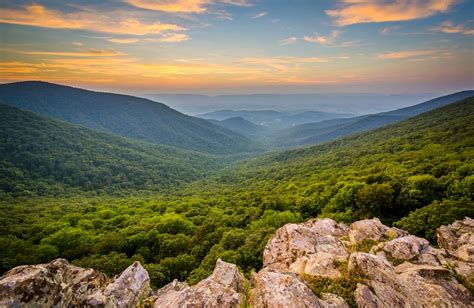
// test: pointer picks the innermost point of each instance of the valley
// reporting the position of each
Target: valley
(103, 201)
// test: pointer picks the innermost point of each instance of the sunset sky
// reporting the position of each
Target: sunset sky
(241, 46)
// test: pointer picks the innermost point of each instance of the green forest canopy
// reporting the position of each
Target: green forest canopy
(417, 174)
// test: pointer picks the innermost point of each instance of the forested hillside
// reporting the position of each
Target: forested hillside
(417, 174)
(42, 156)
(124, 115)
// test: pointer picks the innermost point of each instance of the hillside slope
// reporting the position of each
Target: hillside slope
(314, 133)
(124, 115)
(41, 155)
(406, 165)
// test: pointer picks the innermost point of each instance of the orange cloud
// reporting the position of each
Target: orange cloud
(87, 53)
(123, 40)
(369, 11)
(323, 40)
(39, 16)
(407, 54)
(449, 27)
(174, 38)
(181, 6)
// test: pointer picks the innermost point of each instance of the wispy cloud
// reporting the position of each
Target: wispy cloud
(407, 54)
(39, 16)
(86, 53)
(288, 41)
(369, 11)
(259, 15)
(174, 38)
(182, 6)
(449, 27)
(389, 30)
(323, 40)
(123, 40)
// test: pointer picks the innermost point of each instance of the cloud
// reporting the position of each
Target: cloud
(288, 41)
(389, 30)
(370, 11)
(123, 40)
(174, 38)
(259, 15)
(86, 53)
(182, 6)
(39, 16)
(449, 27)
(407, 54)
(323, 40)
(77, 43)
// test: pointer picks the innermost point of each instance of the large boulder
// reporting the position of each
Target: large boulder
(224, 288)
(407, 285)
(313, 248)
(279, 290)
(57, 283)
(458, 239)
(126, 290)
(373, 230)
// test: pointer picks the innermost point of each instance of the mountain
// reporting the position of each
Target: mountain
(273, 119)
(124, 115)
(406, 165)
(314, 133)
(354, 103)
(242, 126)
(45, 156)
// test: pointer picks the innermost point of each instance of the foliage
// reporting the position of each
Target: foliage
(420, 169)
(43, 156)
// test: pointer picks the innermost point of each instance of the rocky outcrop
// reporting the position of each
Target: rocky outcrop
(126, 290)
(320, 263)
(45, 285)
(224, 288)
(313, 248)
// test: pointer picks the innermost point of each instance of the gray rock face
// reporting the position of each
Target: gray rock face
(224, 288)
(374, 230)
(458, 240)
(56, 284)
(128, 289)
(312, 248)
(401, 270)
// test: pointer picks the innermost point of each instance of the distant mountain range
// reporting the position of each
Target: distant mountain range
(242, 126)
(354, 103)
(314, 133)
(274, 119)
(124, 115)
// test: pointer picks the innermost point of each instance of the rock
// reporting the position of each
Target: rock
(313, 248)
(275, 289)
(128, 289)
(458, 239)
(401, 270)
(224, 288)
(57, 283)
(374, 230)
(407, 285)
(333, 300)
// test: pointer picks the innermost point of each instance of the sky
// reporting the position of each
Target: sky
(241, 46)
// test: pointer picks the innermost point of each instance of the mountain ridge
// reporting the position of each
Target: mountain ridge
(124, 115)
